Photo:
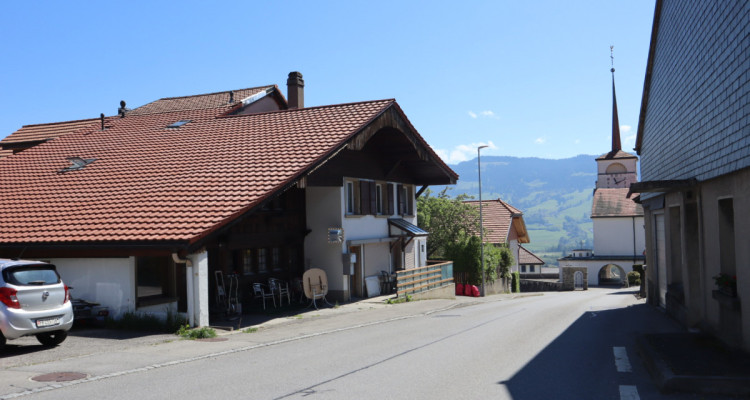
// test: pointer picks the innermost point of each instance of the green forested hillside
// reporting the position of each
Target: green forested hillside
(554, 195)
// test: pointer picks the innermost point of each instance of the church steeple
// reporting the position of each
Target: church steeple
(616, 169)
(616, 146)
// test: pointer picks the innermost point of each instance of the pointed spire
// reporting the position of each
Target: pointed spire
(616, 146)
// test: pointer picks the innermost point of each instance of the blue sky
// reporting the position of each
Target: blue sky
(531, 79)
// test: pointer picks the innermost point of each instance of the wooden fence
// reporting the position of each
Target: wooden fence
(416, 280)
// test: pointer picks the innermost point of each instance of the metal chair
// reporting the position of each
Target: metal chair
(281, 288)
(260, 291)
(387, 282)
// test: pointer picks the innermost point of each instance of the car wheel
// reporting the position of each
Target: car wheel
(51, 338)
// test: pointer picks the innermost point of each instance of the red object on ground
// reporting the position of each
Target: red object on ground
(459, 289)
(474, 291)
(467, 290)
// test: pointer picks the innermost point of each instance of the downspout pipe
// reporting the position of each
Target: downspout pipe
(189, 278)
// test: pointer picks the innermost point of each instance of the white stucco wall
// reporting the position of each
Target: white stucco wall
(377, 258)
(614, 236)
(108, 281)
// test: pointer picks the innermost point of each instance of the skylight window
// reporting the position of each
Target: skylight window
(179, 123)
(77, 163)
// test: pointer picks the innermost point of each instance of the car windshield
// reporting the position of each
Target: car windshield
(31, 275)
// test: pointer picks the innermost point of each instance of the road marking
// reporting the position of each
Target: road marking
(629, 393)
(621, 360)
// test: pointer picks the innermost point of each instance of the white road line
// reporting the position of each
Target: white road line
(629, 393)
(621, 360)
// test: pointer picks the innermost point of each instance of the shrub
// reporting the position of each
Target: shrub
(634, 278)
(516, 282)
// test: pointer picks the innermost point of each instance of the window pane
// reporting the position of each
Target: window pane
(247, 262)
(262, 261)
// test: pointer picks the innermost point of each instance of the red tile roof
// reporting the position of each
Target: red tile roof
(498, 218)
(614, 203)
(526, 257)
(34, 134)
(217, 101)
(152, 183)
(198, 102)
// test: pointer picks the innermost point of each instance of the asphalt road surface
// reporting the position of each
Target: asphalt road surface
(568, 345)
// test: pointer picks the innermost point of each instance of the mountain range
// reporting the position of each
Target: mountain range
(554, 194)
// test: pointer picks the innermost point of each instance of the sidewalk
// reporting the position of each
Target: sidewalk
(695, 363)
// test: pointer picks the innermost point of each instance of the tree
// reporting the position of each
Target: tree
(466, 255)
(448, 220)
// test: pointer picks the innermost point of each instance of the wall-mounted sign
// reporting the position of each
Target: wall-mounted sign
(335, 235)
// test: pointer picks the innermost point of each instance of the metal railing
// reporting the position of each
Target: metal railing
(416, 280)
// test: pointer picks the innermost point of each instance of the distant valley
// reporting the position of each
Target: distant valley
(554, 195)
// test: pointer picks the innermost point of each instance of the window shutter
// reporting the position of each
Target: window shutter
(373, 199)
(401, 199)
(389, 202)
(409, 201)
(364, 197)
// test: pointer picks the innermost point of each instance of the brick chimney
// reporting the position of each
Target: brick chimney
(295, 90)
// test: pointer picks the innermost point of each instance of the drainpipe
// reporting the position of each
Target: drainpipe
(189, 279)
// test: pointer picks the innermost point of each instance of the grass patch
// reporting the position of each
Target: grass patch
(252, 329)
(197, 333)
(397, 300)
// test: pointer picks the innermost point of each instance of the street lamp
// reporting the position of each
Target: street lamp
(481, 223)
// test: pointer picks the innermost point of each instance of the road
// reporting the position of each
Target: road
(568, 345)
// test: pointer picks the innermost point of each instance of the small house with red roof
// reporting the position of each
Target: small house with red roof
(529, 263)
(140, 211)
(504, 226)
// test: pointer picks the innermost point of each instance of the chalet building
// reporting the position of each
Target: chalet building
(694, 143)
(140, 211)
(619, 237)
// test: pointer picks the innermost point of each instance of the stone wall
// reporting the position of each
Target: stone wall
(531, 285)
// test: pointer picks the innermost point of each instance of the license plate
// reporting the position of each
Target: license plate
(41, 323)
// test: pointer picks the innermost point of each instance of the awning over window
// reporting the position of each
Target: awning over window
(661, 186)
(399, 227)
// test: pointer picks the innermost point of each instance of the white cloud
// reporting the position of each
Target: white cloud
(628, 141)
(463, 152)
(483, 114)
(540, 140)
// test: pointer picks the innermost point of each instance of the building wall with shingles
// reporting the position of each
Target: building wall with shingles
(697, 121)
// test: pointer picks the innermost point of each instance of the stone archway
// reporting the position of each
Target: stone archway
(611, 275)
(578, 280)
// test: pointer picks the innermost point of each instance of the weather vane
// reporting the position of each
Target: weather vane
(612, 56)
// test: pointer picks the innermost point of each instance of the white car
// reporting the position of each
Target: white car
(33, 301)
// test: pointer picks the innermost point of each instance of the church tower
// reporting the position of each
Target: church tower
(616, 169)
(619, 234)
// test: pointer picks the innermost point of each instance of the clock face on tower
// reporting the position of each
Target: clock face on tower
(617, 182)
